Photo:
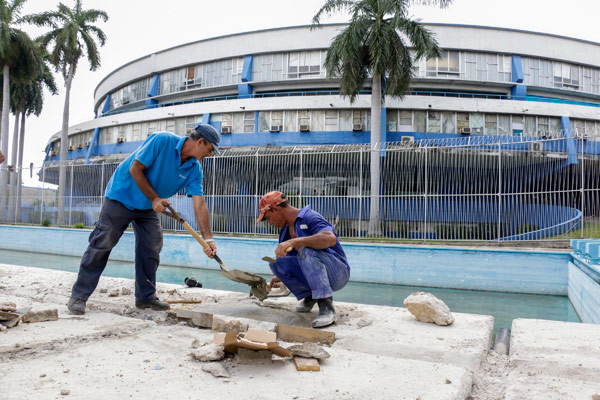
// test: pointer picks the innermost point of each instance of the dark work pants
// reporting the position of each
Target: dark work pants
(312, 272)
(112, 222)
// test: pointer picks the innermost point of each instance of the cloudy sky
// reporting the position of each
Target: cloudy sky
(140, 27)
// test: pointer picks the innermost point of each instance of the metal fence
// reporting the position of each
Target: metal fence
(469, 188)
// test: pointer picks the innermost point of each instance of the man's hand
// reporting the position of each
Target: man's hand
(211, 250)
(284, 247)
(274, 282)
(158, 206)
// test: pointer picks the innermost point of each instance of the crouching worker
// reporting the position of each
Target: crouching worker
(315, 266)
(164, 164)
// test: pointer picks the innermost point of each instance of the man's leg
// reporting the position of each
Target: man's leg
(111, 224)
(324, 272)
(148, 244)
(288, 271)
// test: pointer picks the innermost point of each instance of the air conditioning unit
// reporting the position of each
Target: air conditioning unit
(275, 128)
(126, 100)
(190, 81)
(71, 148)
(477, 130)
(304, 128)
(407, 140)
(120, 140)
(357, 127)
(537, 147)
(465, 131)
(226, 129)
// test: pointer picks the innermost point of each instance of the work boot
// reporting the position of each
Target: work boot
(154, 304)
(326, 315)
(76, 306)
(306, 305)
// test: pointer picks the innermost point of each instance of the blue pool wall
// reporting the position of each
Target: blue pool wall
(454, 268)
(576, 275)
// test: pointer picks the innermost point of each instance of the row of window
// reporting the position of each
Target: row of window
(431, 121)
(453, 64)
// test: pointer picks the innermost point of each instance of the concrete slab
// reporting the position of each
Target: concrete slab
(555, 360)
(156, 364)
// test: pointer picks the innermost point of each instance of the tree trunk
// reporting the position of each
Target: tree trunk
(374, 220)
(12, 200)
(4, 137)
(20, 168)
(64, 145)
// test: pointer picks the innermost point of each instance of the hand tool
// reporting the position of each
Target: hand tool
(258, 284)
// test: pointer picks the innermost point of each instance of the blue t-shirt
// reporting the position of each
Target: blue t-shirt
(308, 223)
(161, 155)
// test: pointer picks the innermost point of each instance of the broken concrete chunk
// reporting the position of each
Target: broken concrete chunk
(247, 354)
(309, 350)
(41, 316)
(12, 323)
(103, 290)
(7, 316)
(201, 319)
(209, 352)
(195, 344)
(291, 333)
(364, 322)
(306, 364)
(223, 323)
(125, 291)
(260, 335)
(220, 339)
(428, 308)
(114, 293)
(8, 306)
(3, 328)
(216, 369)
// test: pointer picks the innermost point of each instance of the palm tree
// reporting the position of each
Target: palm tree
(72, 35)
(373, 45)
(16, 47)
(26, 99)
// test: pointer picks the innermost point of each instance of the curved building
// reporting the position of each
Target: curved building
(267, 91)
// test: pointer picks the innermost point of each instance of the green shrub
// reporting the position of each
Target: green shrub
(45, 222)
(79, 225)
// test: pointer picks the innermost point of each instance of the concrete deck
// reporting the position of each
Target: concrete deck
(117, 351)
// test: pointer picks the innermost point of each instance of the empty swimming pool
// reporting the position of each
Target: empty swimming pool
(503, 306)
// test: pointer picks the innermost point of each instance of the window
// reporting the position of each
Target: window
(249, 121)
(543, 127)
(448, 125)
(277, 118)
(462, 120)
(305, 64)
(405, 122)
(433, 121)
(331, 120)
(359, 117)
(291, 121)
(491, 124)
(445, 65)
(392, 120)
(303, 118)
(504, 125)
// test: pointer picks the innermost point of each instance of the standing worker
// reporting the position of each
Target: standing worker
(316, 265)
(163, 165)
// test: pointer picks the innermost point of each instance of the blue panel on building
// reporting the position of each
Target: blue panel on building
(247, 71)
(517, 69)
(565, 124)
(245, 90)
(518, 92)
(206, 118)
(106, 104)
(153, 89)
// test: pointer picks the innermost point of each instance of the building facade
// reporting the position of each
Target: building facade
(269, 90)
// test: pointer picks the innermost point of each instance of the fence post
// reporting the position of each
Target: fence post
(42, 199)
(102, 186)
(426, 193)
(256, 194)
(71, 195)
(499, 189)
(582, 190)
(360, 192)
(301, 178)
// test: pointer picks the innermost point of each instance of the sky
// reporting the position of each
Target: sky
(137, 28)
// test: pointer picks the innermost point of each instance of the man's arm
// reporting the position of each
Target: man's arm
(201, 213)
(320, 240)
(137, 173)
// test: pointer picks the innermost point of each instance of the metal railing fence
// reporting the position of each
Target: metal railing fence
(485, 189)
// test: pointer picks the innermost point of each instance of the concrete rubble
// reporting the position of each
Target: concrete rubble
(428, 308)
(117, 351)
